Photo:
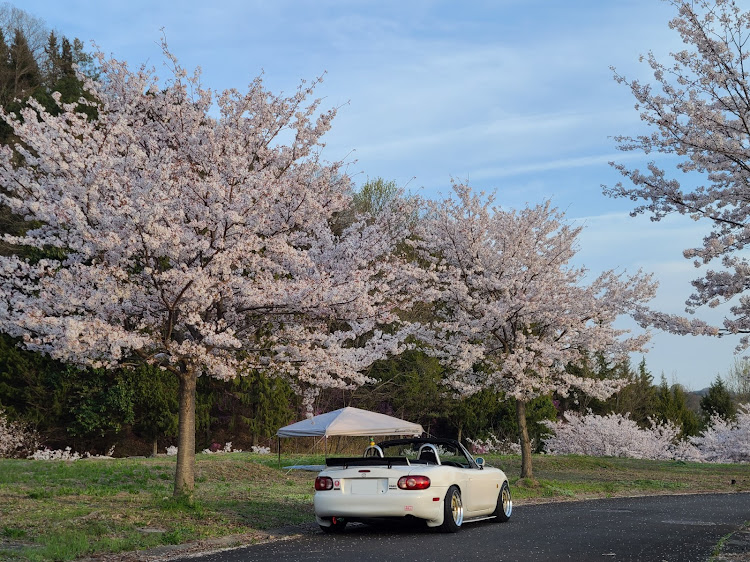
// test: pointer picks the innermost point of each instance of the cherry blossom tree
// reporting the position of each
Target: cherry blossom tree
(192, 231)
(613, 435)
(616, 435)
(512, 312)
(698, 109)
(726, 441)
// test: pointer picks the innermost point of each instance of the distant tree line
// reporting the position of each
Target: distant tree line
(644, 400)
(136, 410)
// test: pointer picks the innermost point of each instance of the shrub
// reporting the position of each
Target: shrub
(59, 455)
(16, 439)
(217, 448)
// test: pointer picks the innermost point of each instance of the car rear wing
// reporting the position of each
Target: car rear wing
(346, 462)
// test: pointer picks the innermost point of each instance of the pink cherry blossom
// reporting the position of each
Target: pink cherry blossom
(612, 435)
(196, 228)
(615, 435)
(511, 311)
(726, 441)
(698, 110)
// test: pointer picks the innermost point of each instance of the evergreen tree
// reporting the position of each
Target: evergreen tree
(718, 402)
(63, 402)
(52, 64)
(65, 60)
(26, 74)
(476, 414)
(154, 403)
(7, 78)
(27, 381)
(97, 404)
(247, 410)
(638, 398)
(596, 368)
(505, 423)
(671, 406)
(689, 422)
(256, 406)
(407, 386)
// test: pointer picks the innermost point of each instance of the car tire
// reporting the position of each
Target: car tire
(338, 524)
(453, 511)
(504, 506)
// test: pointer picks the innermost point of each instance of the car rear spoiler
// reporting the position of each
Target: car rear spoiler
(346, 462)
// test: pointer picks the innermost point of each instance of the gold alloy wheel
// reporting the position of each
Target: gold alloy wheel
(457, 508)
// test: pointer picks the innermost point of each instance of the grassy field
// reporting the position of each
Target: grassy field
(56, 510)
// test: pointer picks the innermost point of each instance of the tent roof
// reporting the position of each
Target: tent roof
(350, 421)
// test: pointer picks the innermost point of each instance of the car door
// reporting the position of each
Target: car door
(484, 487)
(486, 482)
(478, 492)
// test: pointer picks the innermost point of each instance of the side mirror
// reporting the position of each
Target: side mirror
(479, 461)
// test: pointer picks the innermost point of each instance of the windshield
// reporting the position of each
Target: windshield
(417, 452)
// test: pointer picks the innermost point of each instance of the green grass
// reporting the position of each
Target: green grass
(591, 477)
(57, 510)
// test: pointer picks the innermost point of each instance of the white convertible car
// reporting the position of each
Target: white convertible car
(436, 480)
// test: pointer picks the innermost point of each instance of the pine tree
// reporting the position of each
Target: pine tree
(66, 59)
(26, 74)
(672, 406)
(688, 419)
(6, 74)
(155, 403)
(639, 397)
(52, 64)
(718, 402)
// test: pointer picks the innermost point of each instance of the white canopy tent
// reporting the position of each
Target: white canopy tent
(348, 421)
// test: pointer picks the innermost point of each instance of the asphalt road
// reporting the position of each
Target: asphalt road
(658, 528)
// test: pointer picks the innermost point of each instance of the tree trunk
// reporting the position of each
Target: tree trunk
(155, 447)
(523, 433)
(184, 481)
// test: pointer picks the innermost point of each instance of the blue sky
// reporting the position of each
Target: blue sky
(515, 96)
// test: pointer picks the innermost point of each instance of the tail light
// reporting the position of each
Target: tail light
(323, 483)
(413, 482)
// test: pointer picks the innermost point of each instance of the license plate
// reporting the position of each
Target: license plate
(365, 486)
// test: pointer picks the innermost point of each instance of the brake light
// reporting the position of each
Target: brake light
(323, 483)
(413, 482)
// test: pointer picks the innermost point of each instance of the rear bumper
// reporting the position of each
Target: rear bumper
(422, 504)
